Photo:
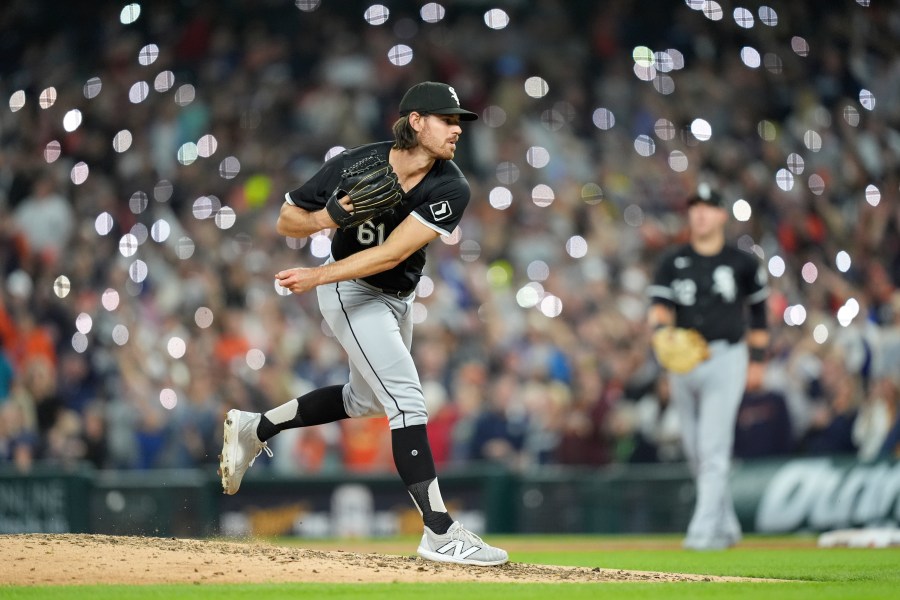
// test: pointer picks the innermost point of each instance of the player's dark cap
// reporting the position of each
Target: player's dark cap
(431, 97)
(706, 195)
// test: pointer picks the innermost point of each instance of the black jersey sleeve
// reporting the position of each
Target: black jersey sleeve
(446, 202)
(313, 194)
(755, 280)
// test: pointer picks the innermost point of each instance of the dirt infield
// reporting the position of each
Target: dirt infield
(70, 559)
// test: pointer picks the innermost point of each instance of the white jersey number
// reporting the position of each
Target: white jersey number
(369, 233)
(685, 291)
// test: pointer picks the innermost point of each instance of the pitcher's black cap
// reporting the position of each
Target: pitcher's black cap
(432, 97)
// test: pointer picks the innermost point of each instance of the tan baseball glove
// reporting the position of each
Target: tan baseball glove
(679, 350)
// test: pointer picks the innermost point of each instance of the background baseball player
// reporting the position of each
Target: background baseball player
(365, 292)
(707, 286)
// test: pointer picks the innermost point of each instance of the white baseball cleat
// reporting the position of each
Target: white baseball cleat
(240, 447)
(461, 546)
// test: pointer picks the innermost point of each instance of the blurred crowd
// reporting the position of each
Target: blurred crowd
(137, 296)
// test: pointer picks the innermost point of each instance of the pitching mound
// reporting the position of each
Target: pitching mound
(70, 559)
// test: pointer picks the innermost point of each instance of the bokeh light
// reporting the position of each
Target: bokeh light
(148, 54)
(72, 120)
(496, 18)
(176, 347)
(743, 18)
(701, 129)
(604, 119)
(168, 398)
(768, 16)
(138, 271)
(536, 87)
(776, 266)
(873, 195)
(538, 157)
(432, 12)
(400, 55)
(551, 306)
(750, 57)
(591, 194)
(103, 224)
(256, 359)
(469, 251)
(712, 10)
(47, 98)
(17, 100)
(542, 195)
(122, 141)
(110, 299)
(185, 94)
(842, 261)
(130, 13)
(809, 272)
(79, 172)
(528, 296)
(120, 334)
(229, 167)
(576, 246)
(741, 210)
(92, 88)
(138, 92)
(500, 198)
(128, 245)
(377, 14)
(160, 230)
(164, 81)
(678, 161)
(644, 145)
(52, 151)
(62, 286)
(800, 46)
(84, 323)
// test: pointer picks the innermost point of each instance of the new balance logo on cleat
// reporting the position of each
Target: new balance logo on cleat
(457, 549)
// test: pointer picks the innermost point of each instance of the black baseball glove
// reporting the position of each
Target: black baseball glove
(373, 189)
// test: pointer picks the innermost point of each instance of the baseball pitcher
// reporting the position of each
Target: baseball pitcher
(387, 202)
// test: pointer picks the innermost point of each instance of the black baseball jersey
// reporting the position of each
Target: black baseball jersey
(710, 293)
(438, 201)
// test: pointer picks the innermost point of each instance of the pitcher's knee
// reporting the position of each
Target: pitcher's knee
(357, 406)
(408, 417)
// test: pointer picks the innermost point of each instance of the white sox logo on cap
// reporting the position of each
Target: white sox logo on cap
(453, 93)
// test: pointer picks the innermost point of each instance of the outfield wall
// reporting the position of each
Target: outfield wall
(770, 496)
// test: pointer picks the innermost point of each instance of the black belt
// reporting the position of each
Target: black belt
(400, 294)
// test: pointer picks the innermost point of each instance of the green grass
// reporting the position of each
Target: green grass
(814, 573)
(805, 564)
